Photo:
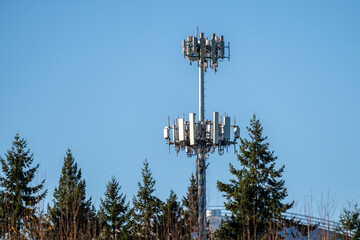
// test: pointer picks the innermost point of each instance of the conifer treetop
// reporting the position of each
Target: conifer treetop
(256, 195)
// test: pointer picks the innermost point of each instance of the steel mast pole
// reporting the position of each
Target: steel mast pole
(201, 92)
(201, 197)
(201, 162)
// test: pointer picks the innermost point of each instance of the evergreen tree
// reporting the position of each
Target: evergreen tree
(146, 207)
(255, 198)
(349, 223)
(171, 222)
(18, 193)
(190, 211)
(71, 214)
(114, 212)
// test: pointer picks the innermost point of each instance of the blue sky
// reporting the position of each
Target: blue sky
(101, 77)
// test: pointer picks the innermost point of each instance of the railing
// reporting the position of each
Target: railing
(322, 223)
(302, 219)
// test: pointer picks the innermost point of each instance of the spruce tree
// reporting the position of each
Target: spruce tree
(114, 212)
(146, 207)
(18, 193)
(190, 211)
(171, 222)
(349, 223)
(256, 196)
(71, 213)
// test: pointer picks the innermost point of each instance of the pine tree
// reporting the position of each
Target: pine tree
(18, 193)
(171, 222)
(146, 207)
(71, 214)
(114, 212)
(255, 198)
(190, 211)
(349, 223)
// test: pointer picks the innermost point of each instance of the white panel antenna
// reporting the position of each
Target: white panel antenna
(181, 125)
(192, 128)
(215, 128)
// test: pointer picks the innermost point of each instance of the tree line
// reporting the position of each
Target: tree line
(255, 198)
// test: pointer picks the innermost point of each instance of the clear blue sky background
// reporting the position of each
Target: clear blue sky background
(101, 77)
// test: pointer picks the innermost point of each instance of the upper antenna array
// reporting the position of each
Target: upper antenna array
(206, 51)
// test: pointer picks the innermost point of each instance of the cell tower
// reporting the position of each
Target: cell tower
(202, 137)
